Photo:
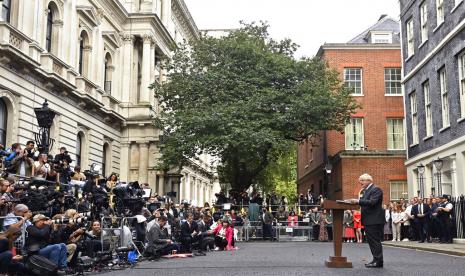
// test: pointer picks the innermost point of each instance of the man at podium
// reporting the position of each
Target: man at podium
(370, 201)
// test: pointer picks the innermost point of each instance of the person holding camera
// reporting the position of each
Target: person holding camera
(42, 167)
(20, 215)
(63, 156)
(8, 262)
(22, 164)
(38, 241)
(158, 242)
(93, 242)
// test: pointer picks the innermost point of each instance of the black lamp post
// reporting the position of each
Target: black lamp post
(421, 185)
(438, 163)
(328, 169)
(175, 179)
(44, 117)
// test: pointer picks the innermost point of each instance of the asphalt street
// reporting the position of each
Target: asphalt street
(300, 258)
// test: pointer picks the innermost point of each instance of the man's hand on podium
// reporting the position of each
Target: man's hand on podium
(353, 201)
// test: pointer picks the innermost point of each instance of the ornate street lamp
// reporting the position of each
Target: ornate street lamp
(421, 185)
(438, 163)
(328, 168)
(44, 117)
(175, 179)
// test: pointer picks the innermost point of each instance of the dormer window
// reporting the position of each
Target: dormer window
(381, 37)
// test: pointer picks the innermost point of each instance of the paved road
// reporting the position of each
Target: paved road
(300, 258)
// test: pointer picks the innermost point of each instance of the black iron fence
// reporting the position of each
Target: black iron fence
(459, 215)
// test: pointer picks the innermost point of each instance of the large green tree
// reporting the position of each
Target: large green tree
(242, 96)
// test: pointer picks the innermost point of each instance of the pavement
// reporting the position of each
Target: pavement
(300, 258)
(457, 249)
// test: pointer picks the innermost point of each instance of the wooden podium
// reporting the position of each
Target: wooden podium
(338, 261)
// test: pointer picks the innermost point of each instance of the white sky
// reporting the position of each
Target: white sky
(309, 23)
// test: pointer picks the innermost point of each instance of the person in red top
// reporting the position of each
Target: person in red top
(292, 219)
(358, 225)
(224, 236)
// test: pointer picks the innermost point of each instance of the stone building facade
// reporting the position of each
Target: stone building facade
(433, 52)
(373, 140)
(94, 60)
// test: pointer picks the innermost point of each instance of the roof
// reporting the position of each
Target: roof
(385, 23)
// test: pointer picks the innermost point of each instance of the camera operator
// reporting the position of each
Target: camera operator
(31, 152)
(77, 174)
(38, 241)
(63, 161)
(8, 262)
(14, 150)
(42, 167)
(158, 239)
(20, 215)
(22, 164)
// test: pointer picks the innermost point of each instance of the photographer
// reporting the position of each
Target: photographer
(6, 195)
(62, 165)
(8, 262)
(63, 156)
(31, 153)
(38, 241)
(93, 242)
(77, 174)
(13, 220)
(42, 167)
(158, 239)
(21, 164)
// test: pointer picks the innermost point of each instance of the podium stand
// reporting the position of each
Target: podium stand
(338, 261)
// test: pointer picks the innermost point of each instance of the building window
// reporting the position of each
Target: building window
(395, 134)
(399, 189)
(439, 11)
(81, 55)
(353, 80)
(84, 50)
(381, 38)
(6, 10)
(413, 111)
(444, 98)
(392, 78)
(48, 34)
(462, 84)
(79, 149)
(354, 134)
(428, 112)
(3, 122)
(108, 73)
(424, 22)
(410, 46)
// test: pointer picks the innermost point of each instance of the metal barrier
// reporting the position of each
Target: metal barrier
(459, 215)
(21, 241)
(299, 231)
(112, 236)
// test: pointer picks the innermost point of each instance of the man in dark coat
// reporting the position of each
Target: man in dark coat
(421, 213)
(371, 201)
(158, 241)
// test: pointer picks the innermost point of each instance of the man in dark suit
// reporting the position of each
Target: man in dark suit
(158, 242)
(371, 201)
(421, 213)
(190, 234)
(267, 224)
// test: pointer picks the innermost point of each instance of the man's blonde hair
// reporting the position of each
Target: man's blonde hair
(366, 176)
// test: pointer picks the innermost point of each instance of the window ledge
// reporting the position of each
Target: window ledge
(357, 95)
(393, 95)
(438, 26)
(395, 149)
(456, 6)
(461, 120)
(413, 145)
(410, 57)
(427, 138)
(444, 128)
(422, 44)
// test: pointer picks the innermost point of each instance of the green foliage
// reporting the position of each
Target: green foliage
(242, 96)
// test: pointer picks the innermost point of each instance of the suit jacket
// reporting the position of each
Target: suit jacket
(187, 230)
(371, 204)
(416, 211)
(156, 237)
(268, 219)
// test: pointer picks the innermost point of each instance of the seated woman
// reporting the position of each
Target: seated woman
(8, 262)
(224, 236)
(93, 242)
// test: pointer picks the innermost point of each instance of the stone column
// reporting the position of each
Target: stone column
(127, 65)
(124, 164)
(161, 185)
(143, 162)
(152, 74)
(165, 12)
(145, 78)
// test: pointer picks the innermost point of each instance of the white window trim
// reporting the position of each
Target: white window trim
(362, 142)
(438, 21)
(403, 134)
(423, 24)
(414, 118)
(395, 95)
(410, 38)
(461, 65)
(428, 119)
(391, 190)
(457, 4)
(361, 81)
(445, 114)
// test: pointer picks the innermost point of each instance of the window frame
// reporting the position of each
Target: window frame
(410, 40)
(390, 81)
(6, 6)
(414, 117)
(404, 188)
(3, 122)
(348, 81)
(49, 31)
(353, 125)
(428, 110)
(461, 65)
(424, 22)
(445, 114)
(393, 134)
(439, 11)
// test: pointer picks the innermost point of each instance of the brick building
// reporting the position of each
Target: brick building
(373, 141)
(433, 49)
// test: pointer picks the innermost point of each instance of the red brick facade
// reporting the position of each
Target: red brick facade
(376, 108)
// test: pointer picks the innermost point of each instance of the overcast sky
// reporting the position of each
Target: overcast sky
(309, 23)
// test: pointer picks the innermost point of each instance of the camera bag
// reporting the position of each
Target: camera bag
(40, 265)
